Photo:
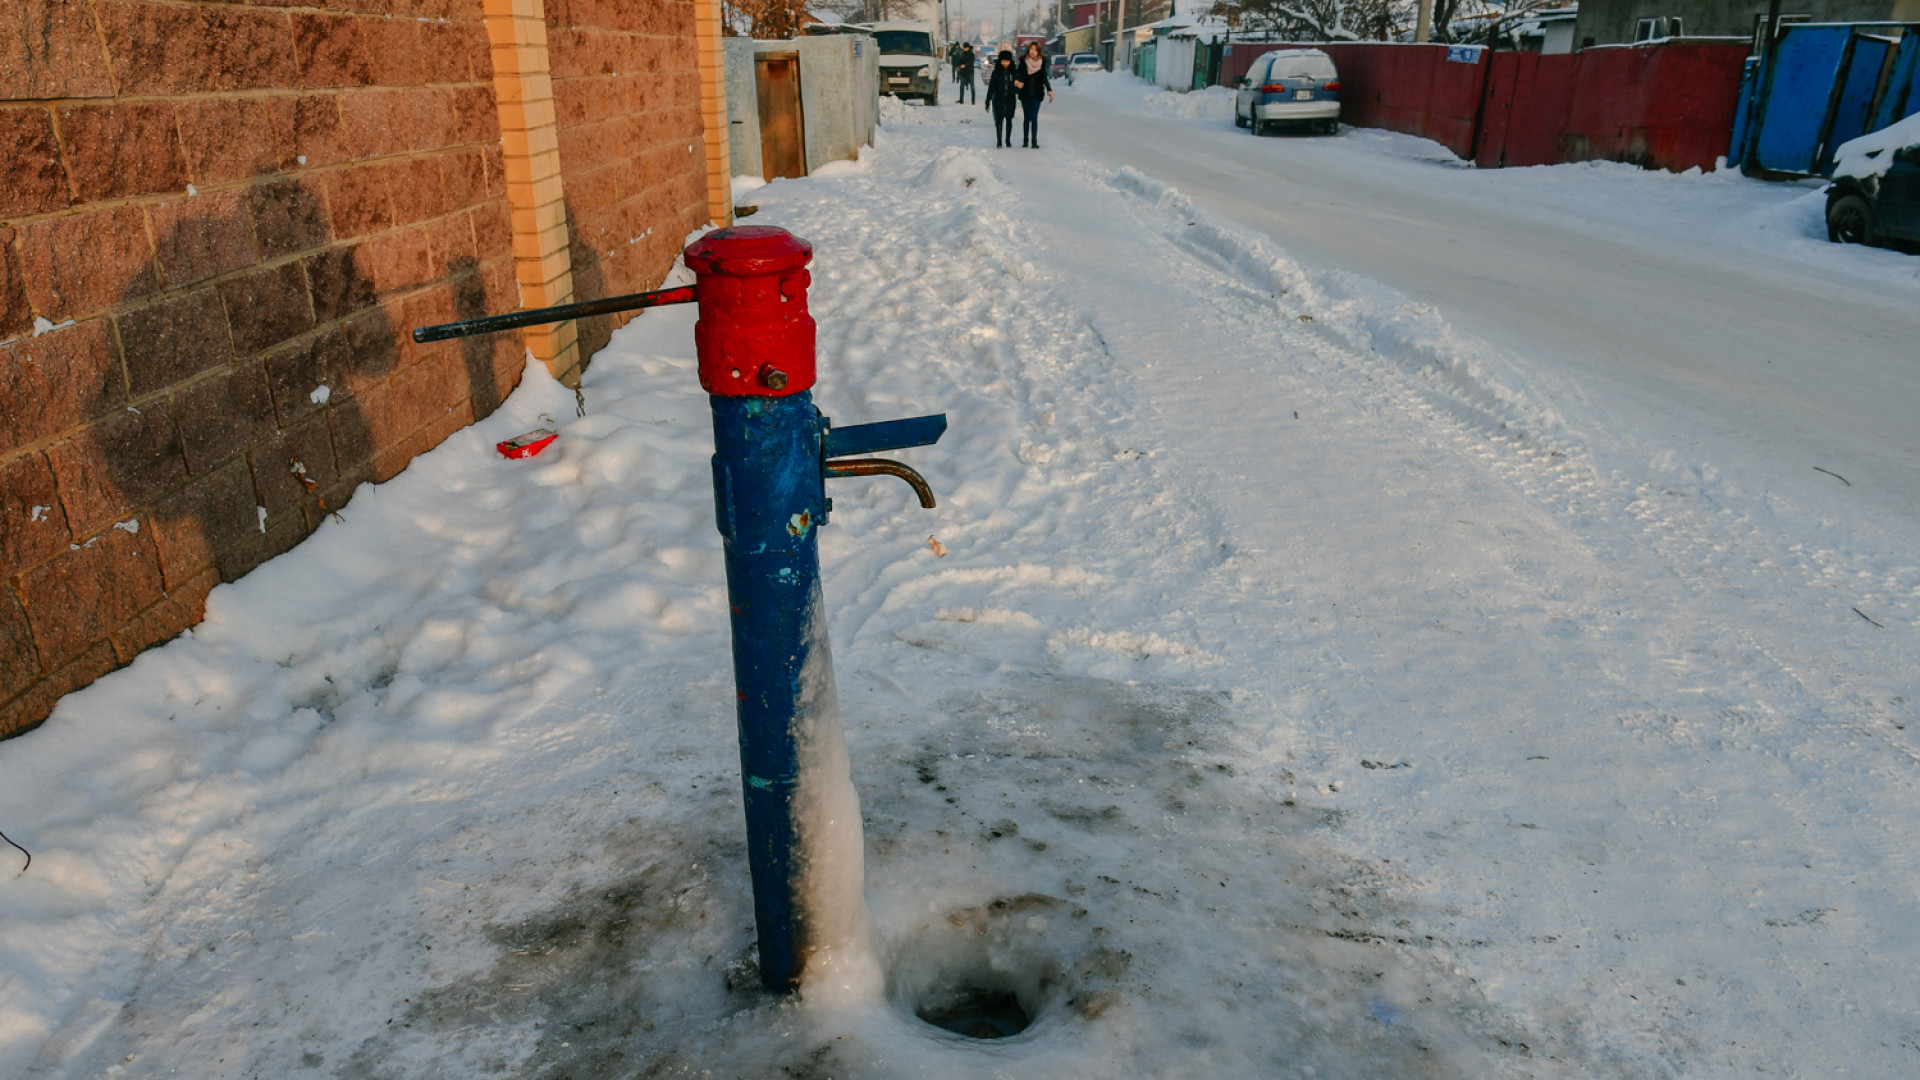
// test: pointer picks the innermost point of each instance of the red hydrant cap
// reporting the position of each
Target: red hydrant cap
(754, 337)
(748, 251)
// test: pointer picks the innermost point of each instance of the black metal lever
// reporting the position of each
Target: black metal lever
(515, 320)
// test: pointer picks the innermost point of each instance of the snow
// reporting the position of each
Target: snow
(1869, 154)
(1310, 686)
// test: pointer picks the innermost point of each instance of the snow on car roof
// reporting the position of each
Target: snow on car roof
(1869, 154)
(1296, 52)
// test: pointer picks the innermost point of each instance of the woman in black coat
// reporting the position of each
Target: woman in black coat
(1001, 94)
(1030, 79)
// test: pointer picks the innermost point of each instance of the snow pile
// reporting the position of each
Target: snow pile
(957, 169)
(1872, 154)
(1215, 103)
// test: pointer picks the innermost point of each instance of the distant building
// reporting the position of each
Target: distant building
(1614, 22)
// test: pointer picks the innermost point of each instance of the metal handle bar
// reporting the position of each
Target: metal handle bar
(517, 319)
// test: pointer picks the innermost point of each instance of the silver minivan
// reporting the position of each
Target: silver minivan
(1291, 86)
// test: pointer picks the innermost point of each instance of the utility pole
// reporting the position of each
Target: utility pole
(1423, 28)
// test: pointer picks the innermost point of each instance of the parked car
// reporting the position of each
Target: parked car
(909, 66)
(1875, 194)
(1057, 67)
(1081, 63)
(1291, 86)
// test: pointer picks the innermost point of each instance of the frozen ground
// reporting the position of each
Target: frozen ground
(1307, 689)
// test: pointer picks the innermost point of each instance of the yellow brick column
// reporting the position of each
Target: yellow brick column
(713, 109)
(523, 87)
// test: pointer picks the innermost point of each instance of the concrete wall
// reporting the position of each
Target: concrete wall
(1609, 22)
(839, 98)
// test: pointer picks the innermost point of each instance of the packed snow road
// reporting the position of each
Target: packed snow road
(1287, 685)
(1710, 313)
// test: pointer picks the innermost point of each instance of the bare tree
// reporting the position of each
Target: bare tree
(1318, 20)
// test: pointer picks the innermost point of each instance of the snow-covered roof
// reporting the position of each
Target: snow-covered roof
(1872, 154)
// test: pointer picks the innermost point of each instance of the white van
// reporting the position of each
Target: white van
(909, 66)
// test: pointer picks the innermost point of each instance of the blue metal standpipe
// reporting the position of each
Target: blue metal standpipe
(769, 499)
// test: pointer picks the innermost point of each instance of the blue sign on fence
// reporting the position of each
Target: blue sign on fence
(1464, 54)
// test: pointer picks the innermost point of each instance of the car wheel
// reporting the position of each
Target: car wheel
(1238, 120)
(1850, 221)
(1259, 127)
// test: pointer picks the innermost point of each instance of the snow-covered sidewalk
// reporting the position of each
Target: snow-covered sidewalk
(1295, 697)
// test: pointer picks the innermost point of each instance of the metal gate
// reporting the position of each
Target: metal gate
(1820, 85)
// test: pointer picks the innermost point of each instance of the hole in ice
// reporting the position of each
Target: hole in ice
(993, 971)
(979, 1014)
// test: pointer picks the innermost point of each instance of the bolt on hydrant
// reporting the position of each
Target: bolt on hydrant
(773, 452)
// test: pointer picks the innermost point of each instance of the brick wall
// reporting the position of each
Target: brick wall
(217, 223)
(626, 89)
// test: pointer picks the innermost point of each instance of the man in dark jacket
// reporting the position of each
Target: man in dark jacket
(1001, 95)
(963, 74)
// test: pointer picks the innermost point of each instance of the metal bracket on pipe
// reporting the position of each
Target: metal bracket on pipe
(835, 443)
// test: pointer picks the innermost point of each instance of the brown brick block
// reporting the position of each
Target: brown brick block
(330, 52)
(318, 134)
(310, 446)
(232, 138)
(48, 49)
(340, 287)
(373, 347)
(463, 173)
(201, 236)
(357, 201)
(179, 609)
(298, 369)
(416, 190)
(288, 216)
(89, 591)
(283, 533)
(174, 340)
(16, 314)
(398, 261)
(32, 178)
(451, 244)
(492, 229)
(266, 307)
(475, 119)
(27, 711)
(496, 160)
(19, 661)
(57, 381)
(394, 459)
(352, 430)
(249, 50)
(214, 513)
(374, 124)
(460, 52)
(117, 150)
(33, 528)
(396, 45)
(157, 48)
(124, 462)
(223, 415)
(82, 263)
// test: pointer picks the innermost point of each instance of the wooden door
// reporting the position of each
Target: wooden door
(783, 144)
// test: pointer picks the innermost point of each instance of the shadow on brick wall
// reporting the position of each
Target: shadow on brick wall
(589, 283)
(267, 381)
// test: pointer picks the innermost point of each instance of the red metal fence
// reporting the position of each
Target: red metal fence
(1664, 106)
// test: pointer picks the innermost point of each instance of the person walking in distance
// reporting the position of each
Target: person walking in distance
(1002, 92)
(1030, 82)
(963, 74)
